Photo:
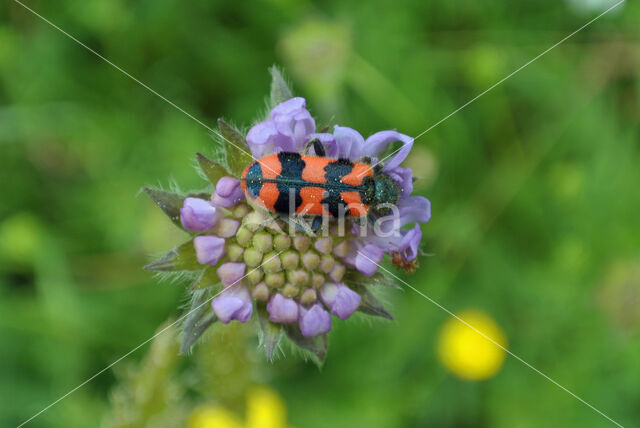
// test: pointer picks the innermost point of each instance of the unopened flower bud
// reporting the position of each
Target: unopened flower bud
(298, 277)
(254, 276)
(230, 273)
(243, 236)
(308, 296)
(228, 192)
(337, 272)
(311, 261)
(261, 292)
(301, 243)
(227, 227)
(324, 245)
(274, 280)
(240, 211)
(290, 260)
(262, 241)
(234, 252)
(282, 309)
(317, 280)
(198, 215)
(290, 290)
(252, 257)
(342, 300)
(281, 242)
(271, 263)
(233, 303)
(326, 263)
(342, 249)
(314, 321)
(254, 221)
(209, 249)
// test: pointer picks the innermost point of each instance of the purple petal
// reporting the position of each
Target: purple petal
(414, 209)
(329, 142)
(408, 246)
(198, 215)
(228, 192)
(381, 140)
(368, 258)
(209, 249)
(233, 303)
(342, 300)
(282, 309)
(231, 272)
(404, 178)
(288, 129)
(349, 141)
(291, 106)
(405, 242)
(314, 321)
(260, 138)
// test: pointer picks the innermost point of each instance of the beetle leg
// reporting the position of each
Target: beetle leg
(316, 224)
(318, 148)
(377, 167)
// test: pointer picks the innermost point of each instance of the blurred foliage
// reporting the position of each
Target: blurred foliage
(533, 186)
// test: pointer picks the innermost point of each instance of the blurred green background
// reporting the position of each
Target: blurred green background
(534, 189)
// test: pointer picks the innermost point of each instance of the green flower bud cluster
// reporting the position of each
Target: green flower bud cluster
(295, 265)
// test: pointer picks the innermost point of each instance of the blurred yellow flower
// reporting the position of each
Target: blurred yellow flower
(265, 409)
(213, 417)
(468, 354)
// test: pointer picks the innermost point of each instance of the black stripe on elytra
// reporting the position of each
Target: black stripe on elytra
(289, 182)
(254, 180)
(334, 172)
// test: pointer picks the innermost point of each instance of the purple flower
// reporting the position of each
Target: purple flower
(414, 209)
(287, 129)
(282, 309)
(209, 249)
(405, 242)
(230, 273)
(314, 321)
(228, 192)
(198, 215)
(367, 258)
(234, 303)
(340, 299)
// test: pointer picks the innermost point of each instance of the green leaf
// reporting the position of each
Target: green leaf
(317, 345)
(208, 279)
(182, 257)
(370, 305)
(213, 170)
(357, 278)
(238, 152)
(280, 91)
(169, 202)
(271, 332)
(199, 319)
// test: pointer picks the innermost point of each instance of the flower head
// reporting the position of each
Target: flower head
(296, 279)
